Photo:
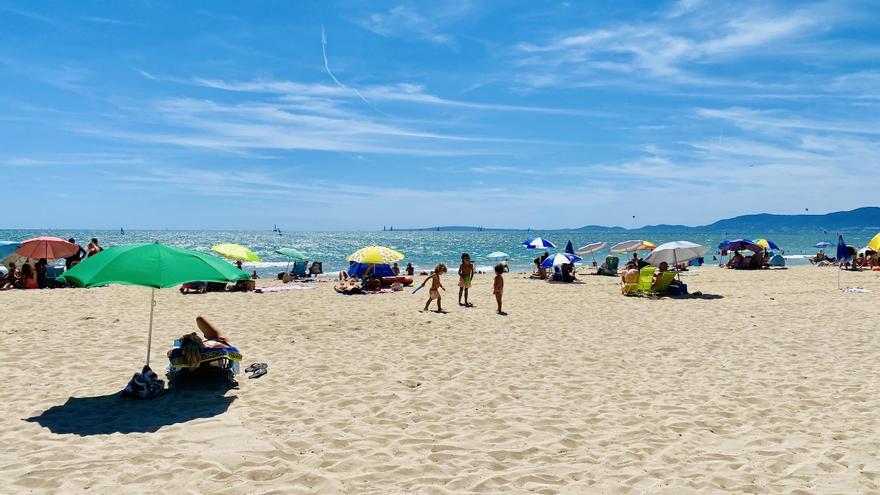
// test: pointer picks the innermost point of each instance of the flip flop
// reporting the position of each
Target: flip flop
(255, 367)
(258, 373)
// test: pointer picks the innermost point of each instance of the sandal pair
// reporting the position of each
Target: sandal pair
(257, 370)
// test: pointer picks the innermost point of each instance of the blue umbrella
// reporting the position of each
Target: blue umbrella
(843, 253)
(740, 245)
(569, 248)
(538, 243)
(823, 245)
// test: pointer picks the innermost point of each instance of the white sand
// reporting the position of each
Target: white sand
(773, 387)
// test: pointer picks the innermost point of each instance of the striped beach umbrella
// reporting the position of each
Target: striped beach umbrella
(538, 243)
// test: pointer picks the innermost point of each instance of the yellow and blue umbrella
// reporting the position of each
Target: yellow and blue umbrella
(376, 255)
(764, 243)
(235, 252)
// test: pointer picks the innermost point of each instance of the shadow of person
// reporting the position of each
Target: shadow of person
(106, 414)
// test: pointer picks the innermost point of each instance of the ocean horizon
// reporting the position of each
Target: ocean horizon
(424, 249)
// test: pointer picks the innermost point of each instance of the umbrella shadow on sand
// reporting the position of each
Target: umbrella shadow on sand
(106, 414)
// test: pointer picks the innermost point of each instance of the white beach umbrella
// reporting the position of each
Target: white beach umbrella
(676, 252)
(593, 247)
(629, 246)
(497, 254)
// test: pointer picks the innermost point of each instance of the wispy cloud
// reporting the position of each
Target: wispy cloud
(408, 21)
(402, 92)
(675, 51)
(105, 20)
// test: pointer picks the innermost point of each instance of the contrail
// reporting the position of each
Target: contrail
(330, 73)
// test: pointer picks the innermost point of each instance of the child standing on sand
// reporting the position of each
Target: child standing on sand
(465, 277)
(434, 292)
(498, 286)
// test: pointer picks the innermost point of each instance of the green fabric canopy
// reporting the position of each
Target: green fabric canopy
(151, 265)
(291, 253)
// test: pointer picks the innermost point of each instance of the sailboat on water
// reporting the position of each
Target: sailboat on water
(276, 229)
(121, 231)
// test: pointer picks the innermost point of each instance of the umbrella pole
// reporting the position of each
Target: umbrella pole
(150, 333)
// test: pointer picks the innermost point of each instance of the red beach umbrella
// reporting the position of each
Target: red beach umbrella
(51, 248)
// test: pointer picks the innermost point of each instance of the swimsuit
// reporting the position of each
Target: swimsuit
(465, 282)
(434, 294)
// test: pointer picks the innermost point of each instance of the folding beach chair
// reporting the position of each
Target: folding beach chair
(299, 269)
(316, 269)
(609, 268)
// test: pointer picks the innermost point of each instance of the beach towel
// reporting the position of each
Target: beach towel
(284, 288)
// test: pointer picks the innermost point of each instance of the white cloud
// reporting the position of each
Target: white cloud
(407, 20)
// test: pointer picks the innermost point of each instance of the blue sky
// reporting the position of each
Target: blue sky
(343, 115)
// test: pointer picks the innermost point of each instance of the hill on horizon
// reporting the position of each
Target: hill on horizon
(864, 218)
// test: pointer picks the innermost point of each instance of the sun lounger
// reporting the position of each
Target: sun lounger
(222, 362)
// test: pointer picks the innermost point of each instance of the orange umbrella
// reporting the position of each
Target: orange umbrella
(51, 248)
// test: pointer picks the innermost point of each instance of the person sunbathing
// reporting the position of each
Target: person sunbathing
(191, 344)
(629, 279)
(663, 268)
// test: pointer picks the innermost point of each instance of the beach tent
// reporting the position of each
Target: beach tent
(8, 247)
(560, 259)
(235, 252)
(365, 269)
(151, 265)
(538, 243)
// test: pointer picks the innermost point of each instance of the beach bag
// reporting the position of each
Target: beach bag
(144, 385)
(397, 286)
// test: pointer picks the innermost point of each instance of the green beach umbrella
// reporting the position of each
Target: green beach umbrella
(151, 265)
(291, 253)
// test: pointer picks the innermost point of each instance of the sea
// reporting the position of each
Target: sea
(424, 249)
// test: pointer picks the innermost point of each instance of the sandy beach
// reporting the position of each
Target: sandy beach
(766, 384)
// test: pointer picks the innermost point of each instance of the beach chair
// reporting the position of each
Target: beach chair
(299, 269)
(609, 268)
(216, 364)
(646, 279)
(316, 269)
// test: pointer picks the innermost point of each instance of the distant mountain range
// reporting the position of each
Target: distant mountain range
(867, 218)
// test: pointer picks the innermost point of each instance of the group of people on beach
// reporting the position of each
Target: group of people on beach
(868, 259)
(466, 272)
(563, 273)
(36, 276)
